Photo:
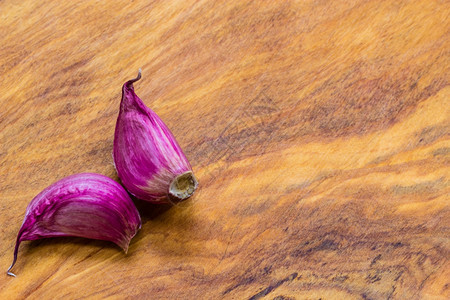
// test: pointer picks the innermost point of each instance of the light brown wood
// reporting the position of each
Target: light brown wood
(318, 130)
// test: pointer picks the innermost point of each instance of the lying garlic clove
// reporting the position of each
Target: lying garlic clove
(148, 159)
(84, 205)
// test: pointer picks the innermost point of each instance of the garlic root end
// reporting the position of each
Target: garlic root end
(183, 186)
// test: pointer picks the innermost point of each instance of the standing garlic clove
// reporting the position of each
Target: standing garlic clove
(148, 159)
(84, 205)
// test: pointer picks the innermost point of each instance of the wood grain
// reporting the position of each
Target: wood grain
(319, 131)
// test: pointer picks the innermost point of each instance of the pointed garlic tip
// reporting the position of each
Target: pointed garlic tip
(183, 186)
(137, 78)
(16, 250)
(11, 274)
(12, 265)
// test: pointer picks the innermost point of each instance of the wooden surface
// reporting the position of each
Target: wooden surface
(319, 131)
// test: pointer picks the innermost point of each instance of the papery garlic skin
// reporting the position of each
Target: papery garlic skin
(148, 159)
(85, 205)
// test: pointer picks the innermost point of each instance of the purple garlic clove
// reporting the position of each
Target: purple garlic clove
(148, 159)
(84, 205)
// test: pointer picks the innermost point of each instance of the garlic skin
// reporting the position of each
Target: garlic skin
(148, 159)
(85, 205)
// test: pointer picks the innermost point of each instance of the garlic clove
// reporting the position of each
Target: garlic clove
(85, 205)
(149, 161)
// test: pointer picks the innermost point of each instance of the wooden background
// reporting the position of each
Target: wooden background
(319, 131)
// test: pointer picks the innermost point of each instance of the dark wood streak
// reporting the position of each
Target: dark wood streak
(272, 287)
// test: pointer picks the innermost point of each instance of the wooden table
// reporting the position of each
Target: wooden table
(319, 131)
